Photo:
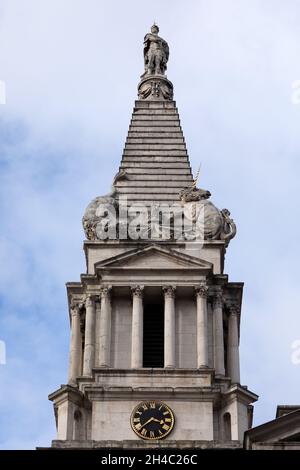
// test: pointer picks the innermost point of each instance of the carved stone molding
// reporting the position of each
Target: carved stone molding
(137, 291)
(202, 290)
(155, 88)
(169, 291)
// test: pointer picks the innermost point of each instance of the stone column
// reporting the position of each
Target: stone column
(105, 328)
(218, 333)
(89, 339)
(233, 359)
(202, 333)
(76, 344)
(97, 328)
(169, 353)
(137, 327)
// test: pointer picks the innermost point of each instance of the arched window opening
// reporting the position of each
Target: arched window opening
(227, 426)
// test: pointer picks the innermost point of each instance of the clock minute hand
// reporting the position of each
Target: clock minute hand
(147, 422)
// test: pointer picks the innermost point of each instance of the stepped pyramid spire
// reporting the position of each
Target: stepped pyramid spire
(155, 164)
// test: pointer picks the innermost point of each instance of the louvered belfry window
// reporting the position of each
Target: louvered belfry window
(153, 341)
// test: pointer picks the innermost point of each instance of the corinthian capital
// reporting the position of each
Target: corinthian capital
(89, 300)
(75, 307)
(218, 298)
(201, 290)
(234, 309)
(105, 291)
(137, 291)
(169, 291)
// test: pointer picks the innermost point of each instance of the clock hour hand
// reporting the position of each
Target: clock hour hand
(160, 421)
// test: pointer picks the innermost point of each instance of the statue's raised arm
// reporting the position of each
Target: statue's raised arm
(156, 53)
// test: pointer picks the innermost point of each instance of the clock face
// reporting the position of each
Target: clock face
(152, 420)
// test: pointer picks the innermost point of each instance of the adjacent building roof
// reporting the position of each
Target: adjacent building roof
(283, 432)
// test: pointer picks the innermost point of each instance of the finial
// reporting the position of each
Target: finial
(194, 184)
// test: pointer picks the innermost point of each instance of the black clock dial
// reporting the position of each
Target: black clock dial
(152, 420)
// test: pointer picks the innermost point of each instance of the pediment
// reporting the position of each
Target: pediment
(154, 257)
(283, 429)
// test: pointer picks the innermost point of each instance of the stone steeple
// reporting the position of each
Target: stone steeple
(154, 328)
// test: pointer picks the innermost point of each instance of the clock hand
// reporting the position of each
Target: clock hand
(147, 422)
(158, 421)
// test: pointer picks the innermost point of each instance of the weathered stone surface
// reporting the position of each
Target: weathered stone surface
(154, 104)
(154, 153)
(156, 128)
(155, 141)
(154, 158)
(157, 117)
(161, 171)
(148, 190)
(134, 444)
(155, 112)
(155, 149)
(154, 164)
(161, 135)
(149, 184)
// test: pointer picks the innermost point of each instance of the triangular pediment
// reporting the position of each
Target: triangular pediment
(283, 429)
(155, 257)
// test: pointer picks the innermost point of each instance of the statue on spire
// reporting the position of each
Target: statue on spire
(156, 53)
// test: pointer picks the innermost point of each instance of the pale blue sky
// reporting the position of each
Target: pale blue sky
(71, 69)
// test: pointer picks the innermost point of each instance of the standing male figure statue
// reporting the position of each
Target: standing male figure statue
(156, 53)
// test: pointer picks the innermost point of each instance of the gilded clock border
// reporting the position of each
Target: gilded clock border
(152, 438)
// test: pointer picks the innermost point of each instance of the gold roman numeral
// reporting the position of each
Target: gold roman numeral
(145, 407)
(144, 432)
(138, 426)
(152, 435)
(168, 420)
(136, 420)
(166, 427)
(152, 404)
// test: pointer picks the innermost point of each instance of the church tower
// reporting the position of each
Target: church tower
(154, 353)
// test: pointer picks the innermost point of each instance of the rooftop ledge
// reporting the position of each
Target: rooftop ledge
(180, 243)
